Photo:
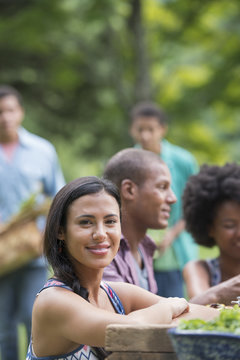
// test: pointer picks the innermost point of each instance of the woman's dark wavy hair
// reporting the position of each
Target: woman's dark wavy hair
(57, 217)
(203, 194)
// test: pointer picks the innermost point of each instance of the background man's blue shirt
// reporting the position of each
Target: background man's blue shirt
(34, 167)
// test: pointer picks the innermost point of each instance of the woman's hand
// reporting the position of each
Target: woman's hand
(178, 305)
(197, 312)
(163, 312)
(222, 293)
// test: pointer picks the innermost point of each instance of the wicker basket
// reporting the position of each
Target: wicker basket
(20, 239)
(18, 246)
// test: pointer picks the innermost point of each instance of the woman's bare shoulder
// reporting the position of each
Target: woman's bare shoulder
(52, 301)
(196, 266)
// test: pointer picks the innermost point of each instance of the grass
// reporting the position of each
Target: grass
(22, 342)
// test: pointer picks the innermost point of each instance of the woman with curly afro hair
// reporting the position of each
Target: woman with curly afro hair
(211, 206)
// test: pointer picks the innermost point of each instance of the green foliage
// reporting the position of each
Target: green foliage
(74, 165)
(22, 342)
(227, 321)
(196, 57)
(81, 65)
(29, 203)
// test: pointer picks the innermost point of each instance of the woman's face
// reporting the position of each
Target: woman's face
(93, 230)
(226, 229)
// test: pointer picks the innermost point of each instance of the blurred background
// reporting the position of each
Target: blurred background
(81, 65)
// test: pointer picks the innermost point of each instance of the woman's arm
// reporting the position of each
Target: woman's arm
(197, 312)
(199, 290)
(135, 298)
(140, 298)
(170, 236)
(196, 277)
(222, 293)
(60, 316)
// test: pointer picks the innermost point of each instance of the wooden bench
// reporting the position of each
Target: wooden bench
(128, 342)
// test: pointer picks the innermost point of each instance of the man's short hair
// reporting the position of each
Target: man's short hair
(148, 110)
(7, 90)
(130, 164)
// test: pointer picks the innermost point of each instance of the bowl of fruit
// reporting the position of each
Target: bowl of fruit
(217, 339)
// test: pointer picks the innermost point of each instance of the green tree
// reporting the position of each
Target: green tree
(81, 65)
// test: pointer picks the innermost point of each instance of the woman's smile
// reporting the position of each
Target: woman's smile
(99, 249)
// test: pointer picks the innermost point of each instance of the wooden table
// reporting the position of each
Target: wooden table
(128, 342)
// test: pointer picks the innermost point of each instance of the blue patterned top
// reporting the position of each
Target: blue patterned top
(83, 352)
(214, 270)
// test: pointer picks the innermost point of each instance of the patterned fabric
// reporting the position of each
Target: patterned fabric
(54, 283)
(83, 352)
(113, 298)
(214, 270)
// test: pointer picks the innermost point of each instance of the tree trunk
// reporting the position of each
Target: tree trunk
(143, 85)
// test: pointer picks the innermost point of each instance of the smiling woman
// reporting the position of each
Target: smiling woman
(73, 309)
(93, 231)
